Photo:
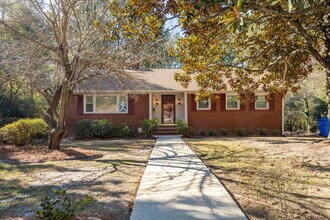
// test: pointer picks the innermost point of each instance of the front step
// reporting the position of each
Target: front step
(166, 130)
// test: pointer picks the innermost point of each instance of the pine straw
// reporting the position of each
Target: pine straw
(40, 154)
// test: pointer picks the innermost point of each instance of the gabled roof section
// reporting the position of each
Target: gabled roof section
(135, 81)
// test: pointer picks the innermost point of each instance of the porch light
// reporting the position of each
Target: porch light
(179, 101)
(157, 102)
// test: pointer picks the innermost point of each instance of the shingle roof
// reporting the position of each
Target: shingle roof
(136, 81)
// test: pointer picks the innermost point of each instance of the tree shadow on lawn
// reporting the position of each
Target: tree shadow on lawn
(17, 155)
(290, 140)
(108, 201)
(122, 145)
(267, 179)
(27, 202)
(320, 168)
(267, 139)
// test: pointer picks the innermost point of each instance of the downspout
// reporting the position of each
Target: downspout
(283, 115)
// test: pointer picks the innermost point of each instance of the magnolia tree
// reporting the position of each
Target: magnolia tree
(251, 44)
(52, 45)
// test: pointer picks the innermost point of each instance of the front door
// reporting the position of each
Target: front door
(168, 109)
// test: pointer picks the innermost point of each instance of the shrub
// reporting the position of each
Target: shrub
(124, 130)
(101, 128)
(87, 128)
(61, 206)
(202, 133)
(262, 131)
(182, 127)
(149, 127)
(83, 129)
(276, 132)
(240, 131)
(212, 133)
(23, 131)
(224, 131)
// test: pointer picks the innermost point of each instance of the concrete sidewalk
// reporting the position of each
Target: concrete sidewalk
(177, 185)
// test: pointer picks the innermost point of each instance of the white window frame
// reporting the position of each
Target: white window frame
(94, 104)
(208, 108)
(255, 102)
(238, 102)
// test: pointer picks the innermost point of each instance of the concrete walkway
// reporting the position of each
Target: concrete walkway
(177, 185)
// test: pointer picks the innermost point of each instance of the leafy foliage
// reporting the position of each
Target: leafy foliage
(224, 131)
(18, 102)
(262, 131)
(51, 46)
(22, 132)
(183, 129)
(101, 128)
(149, 126)
(124, 130)
(295, 114)
(275, 132)
(61, 206)
(87, 128)
(240, 131)
(245, 45)
(212, 133)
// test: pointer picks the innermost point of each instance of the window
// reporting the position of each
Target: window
(261, 102)
(204, 104)
(232, 102)
(106, 104)
(89, 103)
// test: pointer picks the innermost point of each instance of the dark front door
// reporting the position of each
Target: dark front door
(168, 109)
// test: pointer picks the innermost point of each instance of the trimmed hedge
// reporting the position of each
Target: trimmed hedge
(86, 128)
(23, 131)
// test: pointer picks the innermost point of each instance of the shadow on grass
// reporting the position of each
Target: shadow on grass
(26, 203)
(270, 179)
(122, 145)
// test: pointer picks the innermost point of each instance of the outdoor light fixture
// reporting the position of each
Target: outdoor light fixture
(179, 101)
(156, 101)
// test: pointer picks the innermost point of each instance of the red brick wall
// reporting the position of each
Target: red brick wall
(247, 117)
(138, 109)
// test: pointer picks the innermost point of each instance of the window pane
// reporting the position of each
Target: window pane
(89, 103)
(204, 104)
(89, 107)
(261, 101)
(232, 101)
(261, 98)
(231, 98)
(261, 105)
(122, 103)
(89, 99)
(106, 103)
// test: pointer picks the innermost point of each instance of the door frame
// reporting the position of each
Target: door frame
(174, 109)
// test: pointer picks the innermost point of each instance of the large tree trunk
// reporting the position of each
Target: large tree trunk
(326, 31)
(59, 132)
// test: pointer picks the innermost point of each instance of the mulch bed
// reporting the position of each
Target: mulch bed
(40, 154)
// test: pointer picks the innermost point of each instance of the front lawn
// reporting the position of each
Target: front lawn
(272, 177)
(108, 170)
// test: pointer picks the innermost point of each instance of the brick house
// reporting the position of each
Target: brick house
(155, 94)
